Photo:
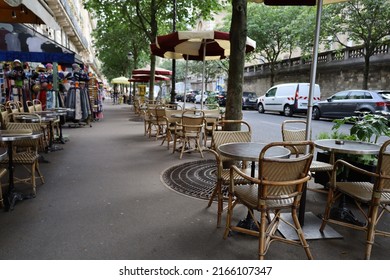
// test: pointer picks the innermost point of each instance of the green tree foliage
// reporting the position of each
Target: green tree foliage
(148, 17)
(365, 22)
(279, 30)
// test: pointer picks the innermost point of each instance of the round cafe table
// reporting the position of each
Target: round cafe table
(9, 137)
(61, 112)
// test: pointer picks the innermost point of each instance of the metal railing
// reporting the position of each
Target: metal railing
(325, 57)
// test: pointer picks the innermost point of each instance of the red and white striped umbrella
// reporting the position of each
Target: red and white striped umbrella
(146, 78)
(196, 45)
(157, 71)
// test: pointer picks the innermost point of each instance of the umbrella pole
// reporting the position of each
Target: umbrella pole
(313, 71)
(185, 84)
(203, 74)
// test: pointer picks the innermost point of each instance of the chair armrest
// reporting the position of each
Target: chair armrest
(341, 163)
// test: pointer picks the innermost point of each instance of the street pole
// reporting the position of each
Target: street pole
(131, 93)
(173, 89)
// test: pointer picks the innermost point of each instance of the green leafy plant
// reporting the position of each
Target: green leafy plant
(366, 127)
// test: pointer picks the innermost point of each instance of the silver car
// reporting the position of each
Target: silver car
(349, 102)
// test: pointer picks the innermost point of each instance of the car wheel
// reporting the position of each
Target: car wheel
(316, 113)
(260, 108)
(287, 111)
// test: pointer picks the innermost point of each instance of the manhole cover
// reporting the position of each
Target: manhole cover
(194, 179)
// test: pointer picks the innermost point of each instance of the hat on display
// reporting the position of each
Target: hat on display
(40, 68)
(75, 66)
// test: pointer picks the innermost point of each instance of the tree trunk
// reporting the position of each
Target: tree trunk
(366, 71)
(153, 32)
(238, 34)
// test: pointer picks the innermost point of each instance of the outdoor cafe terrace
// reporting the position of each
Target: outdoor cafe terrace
(107, 196)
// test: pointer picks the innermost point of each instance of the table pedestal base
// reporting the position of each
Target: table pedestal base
(247, 223)
(343, 214)
(311, 229)
(13, 197)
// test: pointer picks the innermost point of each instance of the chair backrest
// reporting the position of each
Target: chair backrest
(294, 130)
(192, 122)
(382, 184)
(26, 143)
(37, 105)
(30, 106)
(12, 107)
(4, 119)
(159, 113)
(283, 178)
(220, 137)
(169, 115)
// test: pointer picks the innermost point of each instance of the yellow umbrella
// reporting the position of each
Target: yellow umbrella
(120, 80)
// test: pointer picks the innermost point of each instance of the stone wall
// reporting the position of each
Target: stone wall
(332, 76)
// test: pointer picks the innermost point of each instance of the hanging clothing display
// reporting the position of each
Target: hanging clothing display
(77, 98)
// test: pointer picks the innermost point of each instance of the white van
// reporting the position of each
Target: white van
(287, 98)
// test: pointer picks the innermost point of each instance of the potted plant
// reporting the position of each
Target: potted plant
(366, 127)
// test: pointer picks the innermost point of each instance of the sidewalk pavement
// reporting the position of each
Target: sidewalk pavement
(104, 200)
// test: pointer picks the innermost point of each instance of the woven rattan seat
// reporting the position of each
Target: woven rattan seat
(220, 137)
(372, 198)
(295, 130)
(278, 187)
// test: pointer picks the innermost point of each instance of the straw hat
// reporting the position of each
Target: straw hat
(40, 68)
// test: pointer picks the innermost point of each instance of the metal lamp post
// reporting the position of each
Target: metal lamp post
(130, 57)
(173, 80)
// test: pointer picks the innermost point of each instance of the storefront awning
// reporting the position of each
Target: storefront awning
(17, 41)
(26, 11)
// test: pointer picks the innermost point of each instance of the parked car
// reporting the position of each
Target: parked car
(287, 98)
(222, 98)
(249, 100)
(349, 102)
(190, 97)
(180, 97)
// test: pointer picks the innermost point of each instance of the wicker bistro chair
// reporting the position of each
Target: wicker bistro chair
(295, 130)
(30, 106)
(223, 163)
(37, 105)
(189, 130)
(170, 122)
(158, 122)
(278, 187)
(371, 198)
(26, 153)
(149, 118)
